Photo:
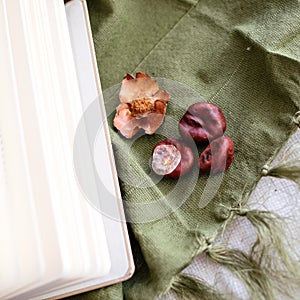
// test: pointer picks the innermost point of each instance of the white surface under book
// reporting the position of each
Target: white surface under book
(55, 241)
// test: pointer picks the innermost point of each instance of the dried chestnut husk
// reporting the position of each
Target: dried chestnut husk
(172, 158)
(142, 105)
(202, 122)
(217, 156)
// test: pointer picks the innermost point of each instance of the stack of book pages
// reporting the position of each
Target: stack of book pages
(62, 232)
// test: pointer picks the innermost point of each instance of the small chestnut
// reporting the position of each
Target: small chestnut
(217, 156)
(202, 122)
(172, 158)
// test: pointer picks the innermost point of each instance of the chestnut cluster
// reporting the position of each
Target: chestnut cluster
(204, 124)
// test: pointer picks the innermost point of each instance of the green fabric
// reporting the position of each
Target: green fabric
(242, 55)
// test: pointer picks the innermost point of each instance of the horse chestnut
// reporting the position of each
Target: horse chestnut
(172, 158)
(217, 156)
(202, 122)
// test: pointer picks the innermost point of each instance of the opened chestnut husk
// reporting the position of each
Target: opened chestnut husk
(142, 105)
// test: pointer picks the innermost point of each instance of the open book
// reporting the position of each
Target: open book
(62, 232)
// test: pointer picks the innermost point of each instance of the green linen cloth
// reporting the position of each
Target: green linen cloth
(242, 55)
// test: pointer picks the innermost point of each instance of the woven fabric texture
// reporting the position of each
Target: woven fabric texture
(243, 56)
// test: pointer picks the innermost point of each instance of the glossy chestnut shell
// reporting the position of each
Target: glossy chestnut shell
(202, 122)
(217, 156)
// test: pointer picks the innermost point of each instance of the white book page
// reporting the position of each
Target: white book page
(67, 237)
(71, 248)
(115, 226)
(96, 248)
(89, 84)
(33, 86)
(94, 231)
(20, 254)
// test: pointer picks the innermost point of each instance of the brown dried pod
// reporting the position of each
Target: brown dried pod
(202, 122)
(172, 158)
(142, 105)
(217, 156)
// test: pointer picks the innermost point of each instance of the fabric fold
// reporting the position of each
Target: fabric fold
(250, 70)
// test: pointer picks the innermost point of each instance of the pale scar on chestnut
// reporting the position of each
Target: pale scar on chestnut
(142, 105)
(172, 158)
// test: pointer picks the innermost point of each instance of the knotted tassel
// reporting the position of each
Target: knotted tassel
(287, 167)
(271, 244)
(273, 250)
(187, 287)
(245, 268)
(296, 119)
(267, 270)
(270, 267)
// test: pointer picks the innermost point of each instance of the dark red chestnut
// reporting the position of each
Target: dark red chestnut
(172, 158)
(202, 122)
(217, 156)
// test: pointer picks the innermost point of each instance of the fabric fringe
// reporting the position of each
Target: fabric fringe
(296, 119)
(187, 287)
(272, 250)
(269, 266)
(267, 270)
(287, 167)
(245, 268)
